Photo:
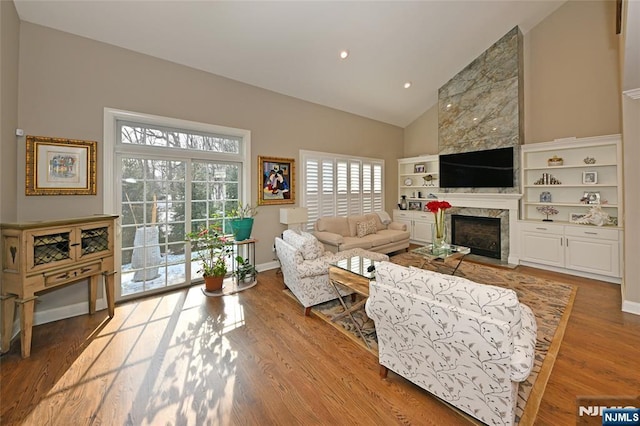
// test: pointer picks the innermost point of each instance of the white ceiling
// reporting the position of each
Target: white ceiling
(292, 47)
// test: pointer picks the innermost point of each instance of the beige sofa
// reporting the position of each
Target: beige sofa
(366, 232)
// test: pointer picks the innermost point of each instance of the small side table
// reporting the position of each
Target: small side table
(246, 249)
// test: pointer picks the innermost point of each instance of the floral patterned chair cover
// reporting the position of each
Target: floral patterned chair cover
(305, 266)
(469, 344)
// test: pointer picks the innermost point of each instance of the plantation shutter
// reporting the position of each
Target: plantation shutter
(336, 185)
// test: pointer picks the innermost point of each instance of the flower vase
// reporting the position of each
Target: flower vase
(438, 236)
(213, 283)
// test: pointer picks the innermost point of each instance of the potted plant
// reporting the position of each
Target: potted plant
(245, 271)
(211, 247)
(242, 220)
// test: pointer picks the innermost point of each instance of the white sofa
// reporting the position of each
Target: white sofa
(366, 232)
(469, 344)
(305, 267)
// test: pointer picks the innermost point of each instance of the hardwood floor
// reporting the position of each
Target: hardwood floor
(253, 358)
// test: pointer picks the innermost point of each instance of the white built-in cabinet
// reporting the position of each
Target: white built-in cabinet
(418, 224)
(417, 178)
(589, 165)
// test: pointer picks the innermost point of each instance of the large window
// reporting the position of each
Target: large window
(169, 177)
(336, 185)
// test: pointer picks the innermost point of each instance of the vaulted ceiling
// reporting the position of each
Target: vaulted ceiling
(293, 47)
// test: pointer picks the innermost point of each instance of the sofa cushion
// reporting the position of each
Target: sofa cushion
(395, 236)
(366, 227)
(308, 246)
(353, 224)
(355, 242)
(337, 225)
(376, 218)
(496, 302)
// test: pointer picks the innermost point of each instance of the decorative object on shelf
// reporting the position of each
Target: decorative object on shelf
(408, 182)
(432, 196)
(547, 179)
(547, 210)
(403, 203)
(438, 228)
(419, 168)
(57, 166)
(428, 180)
(596, 216)
(545, 197)
(555, 161)
(276, 181)
(574, 217)
(212, 248)
(590, 198)
(589, 160)
(415, 205)
(590, 178)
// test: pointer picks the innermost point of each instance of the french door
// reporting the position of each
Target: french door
(167, 182)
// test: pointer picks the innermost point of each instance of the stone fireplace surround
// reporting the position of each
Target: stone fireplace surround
(500, 205)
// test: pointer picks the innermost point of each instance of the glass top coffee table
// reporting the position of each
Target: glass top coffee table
(449, 251)
(353, 273)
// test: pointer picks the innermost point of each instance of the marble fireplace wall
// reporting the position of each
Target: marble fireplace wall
(481, 107)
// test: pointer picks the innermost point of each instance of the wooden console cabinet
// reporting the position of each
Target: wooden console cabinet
(39, 256)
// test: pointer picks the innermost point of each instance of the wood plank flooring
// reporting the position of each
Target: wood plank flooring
(253, 358)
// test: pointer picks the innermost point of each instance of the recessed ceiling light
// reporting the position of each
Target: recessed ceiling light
(448, 105)
(344, 54)
(475, 118)
(407, 85)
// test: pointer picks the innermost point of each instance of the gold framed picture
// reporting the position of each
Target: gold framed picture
(276, 180)
(58, 166)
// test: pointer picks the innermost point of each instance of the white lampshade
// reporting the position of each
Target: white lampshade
(295, 216)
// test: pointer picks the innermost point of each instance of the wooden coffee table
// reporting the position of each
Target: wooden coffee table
(353, 274)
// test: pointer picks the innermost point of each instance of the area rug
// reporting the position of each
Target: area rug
(551, 302)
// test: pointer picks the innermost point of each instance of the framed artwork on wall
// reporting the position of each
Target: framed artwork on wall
(58, 166)
(276, 180)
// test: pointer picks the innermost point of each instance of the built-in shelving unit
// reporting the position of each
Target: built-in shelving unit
(568, 183)
(418, 177)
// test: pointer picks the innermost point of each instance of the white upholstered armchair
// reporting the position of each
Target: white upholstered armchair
(305, 266)
(469, 344)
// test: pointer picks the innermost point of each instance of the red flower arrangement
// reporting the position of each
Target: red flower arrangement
(438, 208)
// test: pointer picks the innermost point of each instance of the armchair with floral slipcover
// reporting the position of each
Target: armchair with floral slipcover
(305, 266)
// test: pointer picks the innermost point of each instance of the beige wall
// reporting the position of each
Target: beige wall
(9, 42)
(66, 81)
(421, 136)
(572, 82)
(631, 154)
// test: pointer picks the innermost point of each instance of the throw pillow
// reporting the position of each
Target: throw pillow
(365, 228)
(311, 249)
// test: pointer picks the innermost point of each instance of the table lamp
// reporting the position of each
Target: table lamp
(294, 217)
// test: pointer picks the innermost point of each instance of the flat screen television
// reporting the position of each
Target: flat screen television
(491, 168)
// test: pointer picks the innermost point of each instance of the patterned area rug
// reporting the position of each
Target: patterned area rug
(551, 302)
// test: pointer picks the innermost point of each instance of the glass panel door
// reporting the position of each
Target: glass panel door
(153, 200)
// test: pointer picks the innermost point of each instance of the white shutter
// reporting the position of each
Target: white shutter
(335, 185)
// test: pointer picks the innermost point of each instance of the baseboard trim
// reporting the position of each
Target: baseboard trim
(56, 314)
(631, 307)
(267, 266)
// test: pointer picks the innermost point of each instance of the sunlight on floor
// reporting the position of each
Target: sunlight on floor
(166, 357)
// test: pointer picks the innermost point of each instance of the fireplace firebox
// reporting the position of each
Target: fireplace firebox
(481, 234)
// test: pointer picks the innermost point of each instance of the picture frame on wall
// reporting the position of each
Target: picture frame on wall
(589, 178)
(57, 166)
(276, 180)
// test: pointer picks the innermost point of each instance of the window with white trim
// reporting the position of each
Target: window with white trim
(340, 185)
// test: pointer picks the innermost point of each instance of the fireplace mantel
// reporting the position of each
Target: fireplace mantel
(487, 200)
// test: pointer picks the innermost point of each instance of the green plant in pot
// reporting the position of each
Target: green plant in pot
(242, 220)
(245, 271)
(211, 247)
